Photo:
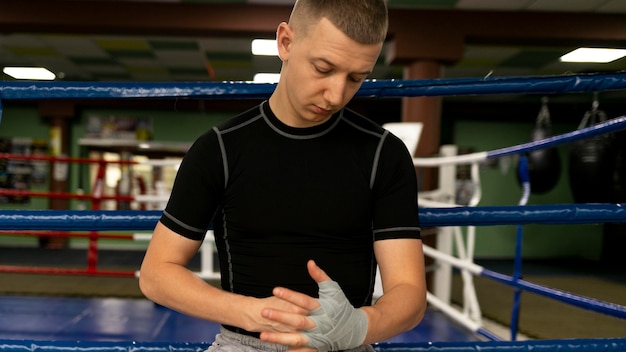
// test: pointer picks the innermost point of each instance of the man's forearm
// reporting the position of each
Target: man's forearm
(181, 290)
(398, 310)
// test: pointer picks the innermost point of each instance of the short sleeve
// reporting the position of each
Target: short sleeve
(198, 189)
(395, 210)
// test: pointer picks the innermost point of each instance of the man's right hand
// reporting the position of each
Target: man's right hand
(261, 310)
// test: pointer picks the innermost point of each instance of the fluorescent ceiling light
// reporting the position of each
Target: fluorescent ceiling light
(266, 77)
(38, 73)
(594, 55)
(265, 47)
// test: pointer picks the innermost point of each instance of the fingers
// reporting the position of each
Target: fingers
(296, 341)
(289, 321)
(288, 339)
(316, 272)
(293, 323)
(294, 319)
(290, 331)
(305, 302)
(300, 299)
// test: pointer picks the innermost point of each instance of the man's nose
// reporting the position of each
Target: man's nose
(335, 91)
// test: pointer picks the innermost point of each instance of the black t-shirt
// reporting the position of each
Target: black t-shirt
(279, 196)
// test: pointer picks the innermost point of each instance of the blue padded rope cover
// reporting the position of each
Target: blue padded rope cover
(115, 220)
(592, 304)
(79, 220)
(85, 346)
(495, 85)
(21, 90)
(610, 126)
(529, 214)
(565, 345)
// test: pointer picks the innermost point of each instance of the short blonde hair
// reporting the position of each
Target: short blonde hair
(364, 21)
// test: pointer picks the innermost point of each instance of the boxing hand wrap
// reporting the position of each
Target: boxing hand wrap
(338, 325)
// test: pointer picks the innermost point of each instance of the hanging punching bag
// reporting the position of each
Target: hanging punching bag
(591, 163)
(619, 167)
(544, 165)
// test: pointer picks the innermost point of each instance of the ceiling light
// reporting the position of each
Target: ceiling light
(265, 47)
(595, 55)
(266, 77)
(38, 73)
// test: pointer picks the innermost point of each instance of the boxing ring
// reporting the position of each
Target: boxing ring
(434, 212)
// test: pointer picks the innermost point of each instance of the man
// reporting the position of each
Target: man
(306, 198)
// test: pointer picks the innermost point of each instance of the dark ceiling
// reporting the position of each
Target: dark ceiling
(84, 40)
(210, 40)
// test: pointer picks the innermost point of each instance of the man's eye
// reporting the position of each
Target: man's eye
(322, 70)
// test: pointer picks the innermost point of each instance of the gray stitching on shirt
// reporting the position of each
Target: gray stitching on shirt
(294, 136)
(404, 228)
(378, 149)
(226, 176)
(223, 152)
(182, 224)
(241, 124)
(361, 128)
(228, 254)
(377, 158)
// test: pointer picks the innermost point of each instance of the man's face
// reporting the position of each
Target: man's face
(321, 73)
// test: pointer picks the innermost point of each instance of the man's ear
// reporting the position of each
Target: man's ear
(284, 38)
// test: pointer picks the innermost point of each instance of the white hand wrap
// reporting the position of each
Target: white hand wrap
(338, 325)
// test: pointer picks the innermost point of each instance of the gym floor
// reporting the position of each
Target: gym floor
(99, 308)
(49, 318)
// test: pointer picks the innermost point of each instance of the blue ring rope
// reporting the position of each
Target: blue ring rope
(529, 214)
(565, 345)
(595, 305)
(579, 83)
(524, 175)
(145, 220)
(609, 126)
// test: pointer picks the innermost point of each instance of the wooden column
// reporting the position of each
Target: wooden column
(59, 114)
(426, 110)
(423, 50)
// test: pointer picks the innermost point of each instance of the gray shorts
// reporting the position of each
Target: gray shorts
(229, 341)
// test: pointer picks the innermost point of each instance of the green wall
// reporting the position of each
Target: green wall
(168, 125)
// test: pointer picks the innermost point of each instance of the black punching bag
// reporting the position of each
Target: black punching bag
(591, 163)
(544, 165)
(619, 167)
